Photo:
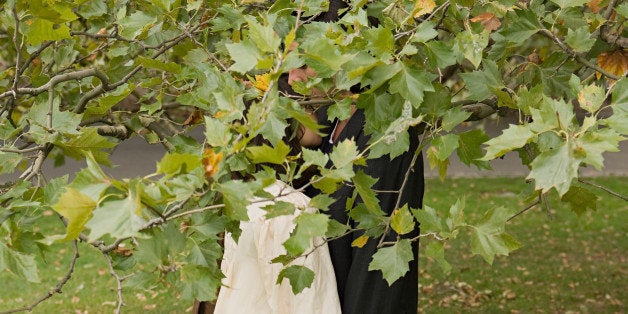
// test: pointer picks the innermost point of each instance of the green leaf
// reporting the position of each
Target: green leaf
(87, 141)
(622, 10)
(519, 25)
(453, 117)
(429, 220)
(199, 282)
(343, 155)
(216, 133)
(236, 195)
(323, 56)
(300, 277)
(514, 137)
(9, 162)
(440, 54)
(175, 163)
(444, 146)
(263, 36)
(580, 199)
(436, 250)
(434, 161)
(43, 30)
(315, 157)
(267, 154)
(77, 208)
(425, 32)
(380, 42)
(101, 105)
(401, 220)
(481, 83)
(169, 67)
(555, 168)
(309, 225)
(411, 84)
(580, 39)
(469, 149)
(363, 185)
(119, 218)
(570, 3)
(592, 145)
(321, 201)
(18, 263)
(279, 208)
(472, 45)
(136, 24)
(489, 238)
(393, 260)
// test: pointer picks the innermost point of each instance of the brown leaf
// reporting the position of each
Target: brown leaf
(211, 161)
(195, 117)
(594, 5)
(489, 21)
(615, 62)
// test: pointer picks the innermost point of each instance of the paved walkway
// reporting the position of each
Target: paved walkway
(135, 158)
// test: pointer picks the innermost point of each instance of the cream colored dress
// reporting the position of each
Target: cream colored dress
(250, 283)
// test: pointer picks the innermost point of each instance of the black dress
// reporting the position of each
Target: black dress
(362, 291)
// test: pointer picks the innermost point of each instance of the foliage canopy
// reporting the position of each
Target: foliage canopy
(79, 77)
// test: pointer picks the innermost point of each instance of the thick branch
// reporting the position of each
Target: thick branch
(77, 75)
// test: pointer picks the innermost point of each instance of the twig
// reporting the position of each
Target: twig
(538, 201)
(119, 281)
(547, 207)
(605, 189)
(57, 288)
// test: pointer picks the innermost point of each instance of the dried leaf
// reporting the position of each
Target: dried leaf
(594, 5)
(195, 117)
(615, 62)
(489, 21)
(422, 7)
(211, 160)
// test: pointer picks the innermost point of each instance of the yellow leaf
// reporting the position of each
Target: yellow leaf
(422, 7)
(261, 82)
(615, 62)
(211, 161)
(77, 208)
(360, 241)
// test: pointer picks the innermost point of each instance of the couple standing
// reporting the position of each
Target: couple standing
(342, 280)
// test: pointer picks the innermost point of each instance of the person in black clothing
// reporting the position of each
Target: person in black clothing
(361, 290)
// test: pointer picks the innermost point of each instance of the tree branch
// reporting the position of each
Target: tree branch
(119, 281)
(605, 189)
(57, 288)
(547, 33)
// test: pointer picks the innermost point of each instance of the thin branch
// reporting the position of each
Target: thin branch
(547, 33)
(119, 281)
(20, 151)
(605, 189)
(546, 205)
(538, 201)
(57, 288)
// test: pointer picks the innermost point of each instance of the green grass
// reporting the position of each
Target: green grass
(567, 264)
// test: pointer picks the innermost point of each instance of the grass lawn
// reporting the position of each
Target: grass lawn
(567, 264)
